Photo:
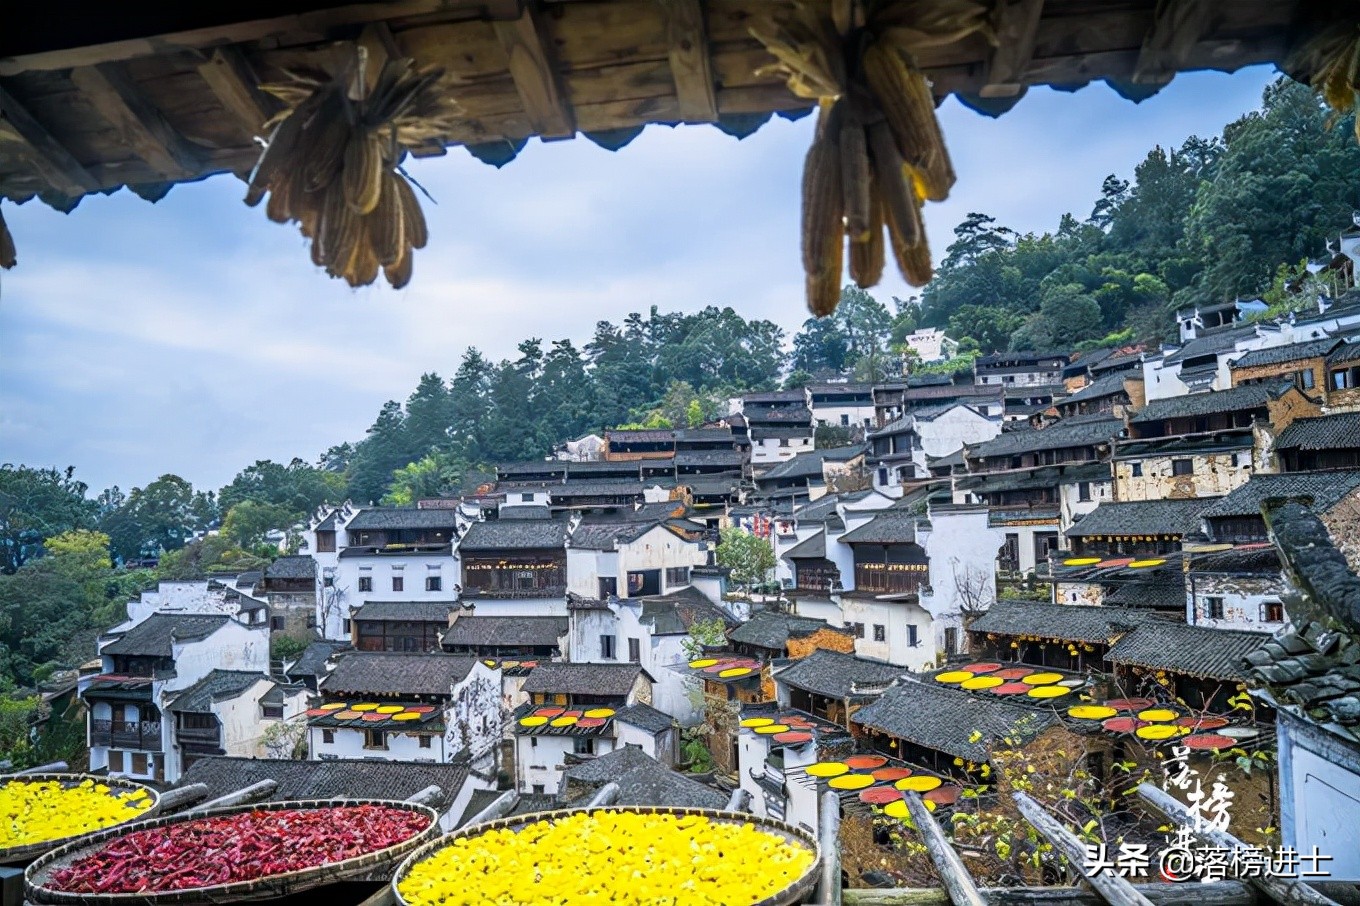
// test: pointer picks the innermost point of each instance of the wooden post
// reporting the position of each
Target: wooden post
(1281, 890)
(605, 795)
(957, 881)
(173, 800)
(1114, 889)
(253, 793)
(502, 805)
(828, 891)
(1216, 893)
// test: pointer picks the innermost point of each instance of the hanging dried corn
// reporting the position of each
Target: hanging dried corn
(1329, 61)
(331, 165)
(8, 257)
(878, 154)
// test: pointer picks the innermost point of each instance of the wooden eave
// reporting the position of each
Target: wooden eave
(158, 94)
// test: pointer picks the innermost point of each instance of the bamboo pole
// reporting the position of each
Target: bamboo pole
(55, 767)
(828, 890)
(739, 801)
(428, 796)
(959, 884)
(1113, 889)
(1215, 893)
(504, 804)
(1282, 890)
(178, 798)
(606, 795)
(253, 793)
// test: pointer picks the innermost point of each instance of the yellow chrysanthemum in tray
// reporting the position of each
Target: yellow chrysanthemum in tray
(42, 810)
(609, 857)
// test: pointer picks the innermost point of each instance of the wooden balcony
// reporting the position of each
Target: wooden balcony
(136, 735)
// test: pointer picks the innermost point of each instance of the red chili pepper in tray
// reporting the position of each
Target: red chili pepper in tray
(233, 848)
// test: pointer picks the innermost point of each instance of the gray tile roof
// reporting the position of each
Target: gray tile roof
(1294, 352)
(403, 611)
(1329, 432)
(514, 534)
(944, 719)
(524, 511)
(768, 629)
(1345, 354)
(606, 488)
(1211, 402)
(819, 509)
(396, 673)
(339, 779)
(605, 536)
(1107, 385)
(835, 675)
(584, 679)
(645, 717)
(804, 465)
(812, 548)
(1262, 561)
(889, 527)
(730, 458)
(312, 661)
(393, 518)
(703, 435)
(764, 432)
(1214, 343)
(675, 612)
(1068, 622)
(153, 636)
(216, 686)
(1325, 489)
(293, 567)
(1065, 433)
(642, 435)
(506, 631)
(1198, 651)
(533, 467)
(1143, 517)
(644, 781)
(1164, 591)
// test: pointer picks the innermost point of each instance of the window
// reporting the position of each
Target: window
(607, 647)
(328, 736)
(1306, 379)
(677, 575)
(274, 712)
(346, 627)
(1182, 467)
(365, 583)
(311, 621)
(1272, 611)
(880, 632)
(1084, 491)
(635, 651)
(951, 640)
(609, 587)
(138, 763)
(583, 745)
(783, 441)
(425, 741)
(115, 761)
(375, 739)
(1136, 470)
(1213, 607)
(433, 583)
(538, 789)
(526, 498)
(325, 542)
(845, 421)
(858, 629)
(911, 635)
(398, 583)
(276, 623)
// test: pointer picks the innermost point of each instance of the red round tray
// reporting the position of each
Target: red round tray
(879, 795)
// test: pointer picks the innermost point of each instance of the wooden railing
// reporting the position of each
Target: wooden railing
(126, 734)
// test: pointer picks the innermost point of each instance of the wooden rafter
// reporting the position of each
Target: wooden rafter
(142, 127)
(536, 76)
(231, 80)
(691, 67)
(1017, 27)
(1176, 28)
(48, 156)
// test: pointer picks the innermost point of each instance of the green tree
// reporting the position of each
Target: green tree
(163, 516)
(297, 487)
(436, 475)
(249, 522)
(989, 326)
(37, 504)
(750, 558)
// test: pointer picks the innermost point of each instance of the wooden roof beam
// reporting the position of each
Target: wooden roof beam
(691, 67)
(48, 156)
(140, 125)
(229, 76)
(1176, 28)
(1017, 28)
(535, 74)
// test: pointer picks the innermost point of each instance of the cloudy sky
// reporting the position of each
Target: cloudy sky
(195, 337)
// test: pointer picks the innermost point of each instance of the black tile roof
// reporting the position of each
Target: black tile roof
(312, 661)
(514, 534)
(1345, 354)
(533, 467)
(1068, 622)
(703, 435)
(809, 465)
(293, 567)
(1143, 517)
(812, 548)
(644, 781)
(216, 686)
(888, 527)
(393, 518)
(330, 523)
(584, 679)
(506, 631)
(1328, 432)
(340, 779)
(944, 719)
(675, 612)
(645, 717)
(1107, 385)
(1211, 344)
(605, 536)
(836, 675)
(1211, 402)
(396, 673)
(1061, 434)
(771, 432)
(1261, 561)
(768, 629)
(1198, 651)
(633, 489)
(1325, 489)
(731, 458)
(643, 435)
(153, 636)
(819, 509)
(774, 396)
(403, 611)
(524, 511)
(1165, 590)
(1294, 352)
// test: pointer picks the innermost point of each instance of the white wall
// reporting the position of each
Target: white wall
(769, 450)
(349, 743)
(962, 551)
(1070, 504)
(538, 759)
(895, 617)
(473, 720)
(950, 431)
(837, 415)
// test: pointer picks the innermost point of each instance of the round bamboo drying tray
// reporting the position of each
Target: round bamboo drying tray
(16, 855)
(797, 892)
(267, 887)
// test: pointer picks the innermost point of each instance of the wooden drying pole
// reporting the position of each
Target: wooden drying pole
(253, 793)
(1113, 889)
(1281, 890)
(957, 881)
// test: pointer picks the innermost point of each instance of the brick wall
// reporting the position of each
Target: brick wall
(1284, 369)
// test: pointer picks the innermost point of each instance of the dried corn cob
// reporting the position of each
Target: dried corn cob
(866, 255)
(906, 101)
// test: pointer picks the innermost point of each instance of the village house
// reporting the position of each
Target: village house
(1239, 588)
(1319, 443)
(1015, 369)
(1205, 444)
(400, 625)
(895, 399)
(1343, 377)
(1069, 637)
(810, 565)
(1201, 666)
(1203, 362)
(289, 585)
(634, 445)
(585, 709)
(773, 771)
(143, 666)
(391, 706)
(223, 596)
(771, 635)
(1305, 364)
(1334, 497)
(312, 665)
(831, 684)
(845, 405)
(931, 344)
(900, 451)
(1130, 554)
(881, 603)
(632, 559)
(515, 567)
(239, 713)
(514, 645)
(1115, 393)
(641, 779)
(807, 476)
(381, 554)
(1197, 320)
